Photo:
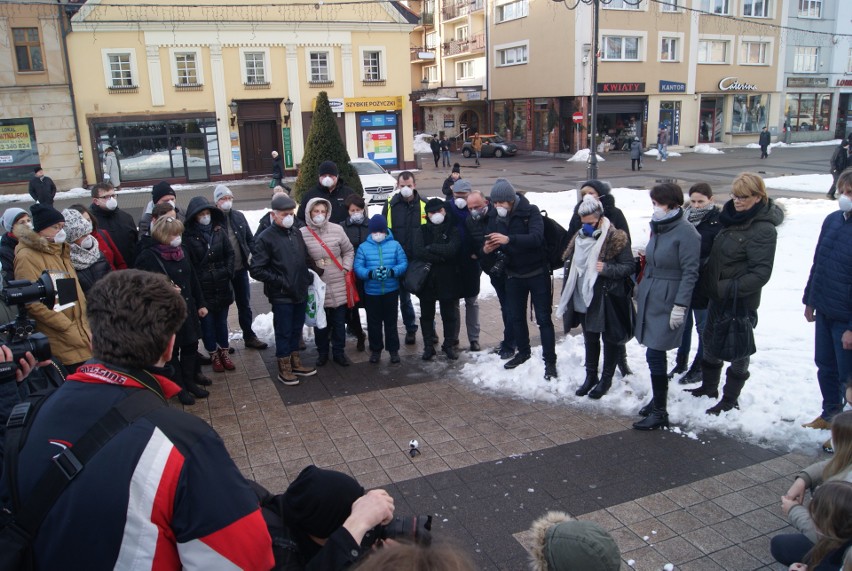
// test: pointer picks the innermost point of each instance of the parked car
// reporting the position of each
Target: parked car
(492, 146)
(378, 184)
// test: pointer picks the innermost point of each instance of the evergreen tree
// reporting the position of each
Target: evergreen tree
(324, 144)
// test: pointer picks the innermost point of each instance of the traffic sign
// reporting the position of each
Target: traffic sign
(577, 117)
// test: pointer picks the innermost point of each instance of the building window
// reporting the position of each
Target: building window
(431, 40)
(121, 70)
(516, 55)
(513, 10)
(621, 48)
(372, 65)
(805, 59)
(255, 67)
(669, 49)
(319, 67)
(808, 111)
(186, 69)
(712, 51)
(756, 8)
(716, 6)
(431, 73)
(464, 70)
(749, 113)
(28, 49)
(622, 5)
(462, 33)
(810, 8)
(754, 53)
(671, 5)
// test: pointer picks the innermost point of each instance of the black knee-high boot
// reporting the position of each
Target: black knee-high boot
(658, 418)
(734, 384)
(711, 373)
(623, 367)
(610, 358)
(593, 355)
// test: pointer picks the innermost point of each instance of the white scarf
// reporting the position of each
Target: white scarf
(588, 274)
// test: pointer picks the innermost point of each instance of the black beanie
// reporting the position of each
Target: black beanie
(601, 187)
(44, 216)
(434, 205)
(456, 168)
(328, 167)
(319, 501)
(160, 190)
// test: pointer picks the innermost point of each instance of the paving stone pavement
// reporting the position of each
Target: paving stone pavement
(491, 464)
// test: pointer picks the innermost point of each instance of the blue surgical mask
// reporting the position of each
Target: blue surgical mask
(589, 229)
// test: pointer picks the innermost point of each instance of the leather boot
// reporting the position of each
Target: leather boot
(680, 365)
(658, 418)
(227, 364)
(693, 375)
(623, 367)
(600, 389)
(285, 372)
(646, 410)
(591, 381)
(730, 393)
(298, 368)
(710, 375)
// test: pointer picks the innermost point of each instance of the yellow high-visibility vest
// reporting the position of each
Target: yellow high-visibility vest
(422, 213)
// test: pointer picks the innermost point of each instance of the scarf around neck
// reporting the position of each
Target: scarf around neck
(583, 271)
(81, 258)
(730, 216)
(171, 253)
(696, 215)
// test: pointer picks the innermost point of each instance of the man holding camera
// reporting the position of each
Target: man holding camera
(514, 244)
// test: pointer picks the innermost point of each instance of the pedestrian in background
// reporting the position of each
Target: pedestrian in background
(635, 154)
(477, 146)
(277, 169)
(41, 188)
(663, 143)
(764, 140)
(455, 175)
(435, 145)
(839, 162)
(112, 171)
(445, 152)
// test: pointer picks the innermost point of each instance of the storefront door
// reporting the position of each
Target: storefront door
(710, 120)
(670, 117)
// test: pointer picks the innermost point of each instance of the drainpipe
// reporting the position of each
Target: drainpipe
(64, 32)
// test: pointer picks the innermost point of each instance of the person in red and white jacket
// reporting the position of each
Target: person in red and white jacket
(163, 493)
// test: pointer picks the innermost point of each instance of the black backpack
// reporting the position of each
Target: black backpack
(556, 240)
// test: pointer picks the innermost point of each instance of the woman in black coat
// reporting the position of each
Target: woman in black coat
(438, 243)
(166, 256)
(356, 228)
(210, 251)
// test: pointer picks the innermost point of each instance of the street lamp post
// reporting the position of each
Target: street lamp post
(592, 166)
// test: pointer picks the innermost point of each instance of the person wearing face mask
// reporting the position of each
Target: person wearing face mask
(112, 220)
(828, 308)
(161, 193)
(112, 170)
(280, 260)
(242, 242)
(43, 247)
(455, 175)
(439, 244)
(598, 260)
(671, 272)
(514, 240)
(267, 221)
(468, 264)
(103, 239)
(41, 187)
(405, 212)
(86, 255)
(330, 249)
(211, 254)
(11, 218)
(357, 229)
(330, 187)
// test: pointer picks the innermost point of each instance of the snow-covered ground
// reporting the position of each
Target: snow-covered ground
(816, 183)
(832, 142)
(654, 152)
(582, 156)
(707, 150)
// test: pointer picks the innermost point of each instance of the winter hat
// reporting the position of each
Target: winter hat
(11, 216)
(456, 168)
(434, 205)
(44, 216)
(461, 185)
(319, 501)
(378, 223)
(282, 201)
(502, 191)
(75, 225)
(220, 192)
(160, 190)
(590, 205)
(328, 168)
(561, 543)
(601, 187)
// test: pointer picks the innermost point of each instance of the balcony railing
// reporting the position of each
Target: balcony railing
(422, 54)
(456, 9)
(475, 43)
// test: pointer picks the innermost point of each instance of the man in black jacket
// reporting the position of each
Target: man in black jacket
(41, 187)
(277, 169)
(118, 223)
(242, 241)
(764, 140)
(280, 261)
(514, 235)
(405, 212)
(330, 187)
(839, 162)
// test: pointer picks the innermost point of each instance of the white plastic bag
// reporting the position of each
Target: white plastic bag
(315, 312)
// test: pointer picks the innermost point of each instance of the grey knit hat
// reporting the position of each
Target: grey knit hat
(590, 205)
(502, 191)
(75, 225)
(220, 192)
(282, 202)
(561, 543)
(11, 216)
(461, 185)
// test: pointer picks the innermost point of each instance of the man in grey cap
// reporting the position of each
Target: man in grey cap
(562, 543)
(469, 270)
(242, 242)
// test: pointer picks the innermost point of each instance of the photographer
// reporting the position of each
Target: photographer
(161, 492)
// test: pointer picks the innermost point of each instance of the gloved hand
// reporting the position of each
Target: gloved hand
(677, 317)
(380, 273)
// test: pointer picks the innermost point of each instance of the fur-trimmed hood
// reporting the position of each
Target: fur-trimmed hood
(29, 238)
(562, 543)
(616, 241)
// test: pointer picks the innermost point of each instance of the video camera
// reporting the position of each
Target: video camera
(416, 528)
(20, 335)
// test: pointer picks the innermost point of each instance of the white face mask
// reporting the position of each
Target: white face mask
(111, 203)
(378, 237)
(845, 203)
(318, 219)
(406, 191)
(356, 217)
(659, 213)
(502, 211)
(227, 205)
(437, 218)
(88, 242)
(59, 238)
(327, 181)
(172, 202)
(176, 242)
(204, 220)
(287, 221)
(461, 203)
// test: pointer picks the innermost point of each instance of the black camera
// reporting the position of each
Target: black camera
(416, 528)
(499, 266)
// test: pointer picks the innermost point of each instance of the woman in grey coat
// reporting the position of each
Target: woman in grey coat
(635, 154)
(671, 270)
(112, 173)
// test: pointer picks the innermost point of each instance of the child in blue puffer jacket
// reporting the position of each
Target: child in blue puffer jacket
(380, 262)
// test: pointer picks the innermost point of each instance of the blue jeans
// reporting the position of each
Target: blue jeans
(335, 331)
(686, 344)
(445, 158)
(287, 321)
(538, 288)
(508, 334)
(409, 319)
(214, 330)
(834, 363)
(382, 313)
(242, 297)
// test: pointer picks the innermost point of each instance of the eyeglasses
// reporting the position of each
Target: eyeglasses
(734, 197)
(106, 196)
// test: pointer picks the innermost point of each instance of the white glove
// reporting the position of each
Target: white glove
(677, 317)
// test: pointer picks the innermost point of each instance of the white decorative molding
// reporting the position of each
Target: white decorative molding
(155, 75)
(294, 92)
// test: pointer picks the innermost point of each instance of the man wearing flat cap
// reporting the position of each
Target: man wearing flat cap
(329, 187)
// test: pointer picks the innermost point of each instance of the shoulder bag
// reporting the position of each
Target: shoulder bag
(352, 297)
(732, 335)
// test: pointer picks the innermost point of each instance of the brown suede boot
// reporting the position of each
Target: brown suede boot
(298, 368)
(285, 372)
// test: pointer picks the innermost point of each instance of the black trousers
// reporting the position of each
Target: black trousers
(449, 316)
(185, 363)
(382, 312)
(635, 163)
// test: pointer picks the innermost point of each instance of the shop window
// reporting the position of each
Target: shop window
(621, 48)
(805, 59)
(513, 10)
(519, 120)
(622, 5)
(515, 55)
(807, 111)
(754, 53)
(28, 49)
(810, 9)
(20, 149)
(464, 70)
(713, 51)
(749, 113)
(319, 67)
(756, 8)
(716, 6)
(670, 49)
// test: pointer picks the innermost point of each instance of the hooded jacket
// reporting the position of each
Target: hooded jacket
(335, 238)
(372, 255)
(67, 330)
(613, 214)
(211, 255)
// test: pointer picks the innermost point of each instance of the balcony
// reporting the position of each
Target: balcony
(473, 44)
(453, 10)
(422, 55)
(427, 19)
